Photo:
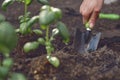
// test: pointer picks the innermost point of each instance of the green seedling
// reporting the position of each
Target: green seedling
(24, 19)
(48, 15)
(8, 38)
(8, 41)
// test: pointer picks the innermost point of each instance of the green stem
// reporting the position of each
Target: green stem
(25, 11)
(47, 41)
(47, 34)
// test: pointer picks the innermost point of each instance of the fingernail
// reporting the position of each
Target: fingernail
(91, 25)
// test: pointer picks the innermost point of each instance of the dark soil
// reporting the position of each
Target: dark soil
(102, 64)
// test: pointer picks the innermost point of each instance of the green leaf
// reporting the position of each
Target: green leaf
(54, 61)
(8, 62)
(8, 37)
(32, 21)
(63, 31)
(24, 29)
(41, 41)
(46, 17)
(43, 27)
(6, 3)
(2, 18)
(45, 7)
(3, 72)
(37, 31)
(27, 2)
(17, 76)
(29, 46)
(24, 18)
(45, 2)
(48, 43)
(58, 12)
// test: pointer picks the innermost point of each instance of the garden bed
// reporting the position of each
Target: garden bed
(103, 64)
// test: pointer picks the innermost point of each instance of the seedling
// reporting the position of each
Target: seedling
(48, 15)
(23, 18)
(8, 41)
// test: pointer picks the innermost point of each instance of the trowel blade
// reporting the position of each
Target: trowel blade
(93, 44)
(78, 43)
(81, 39)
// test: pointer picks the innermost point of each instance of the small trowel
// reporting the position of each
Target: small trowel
(85, 41)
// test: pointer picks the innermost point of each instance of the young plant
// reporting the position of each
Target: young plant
(48, 15)
(8, 41)
(23, 18)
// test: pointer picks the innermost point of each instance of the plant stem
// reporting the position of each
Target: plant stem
(47, 41)
(47, 34)
(25, 11)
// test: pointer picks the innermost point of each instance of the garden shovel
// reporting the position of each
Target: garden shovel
(85, 41)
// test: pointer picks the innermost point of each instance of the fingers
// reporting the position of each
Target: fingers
(85, 10)
(86, 16)
(90, 11)
(93, 18)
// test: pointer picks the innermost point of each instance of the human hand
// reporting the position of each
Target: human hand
(90, 11)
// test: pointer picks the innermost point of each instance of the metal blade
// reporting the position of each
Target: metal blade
(79, 41)
(93, 44)
(85, 42)
(81, 47)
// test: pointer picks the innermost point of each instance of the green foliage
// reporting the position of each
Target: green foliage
(30, 46)
(33, 20)
(2, 18)
(23, 29)
(3, 72)
(8, 38)
(48, 15)
(27, 2)
(63, 31)
(5, 68)
(8, 41)
(41, 41)
(8, 62)
(6, 3)
(37, 31)
(54, 61)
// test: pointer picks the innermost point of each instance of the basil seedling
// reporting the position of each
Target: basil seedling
(48, 15)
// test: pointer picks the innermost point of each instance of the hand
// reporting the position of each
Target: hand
(90, 11)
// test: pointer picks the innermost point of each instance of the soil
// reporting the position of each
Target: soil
(102, 64)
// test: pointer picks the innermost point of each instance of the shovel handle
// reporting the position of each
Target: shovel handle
(105, 16)
(109, 16)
